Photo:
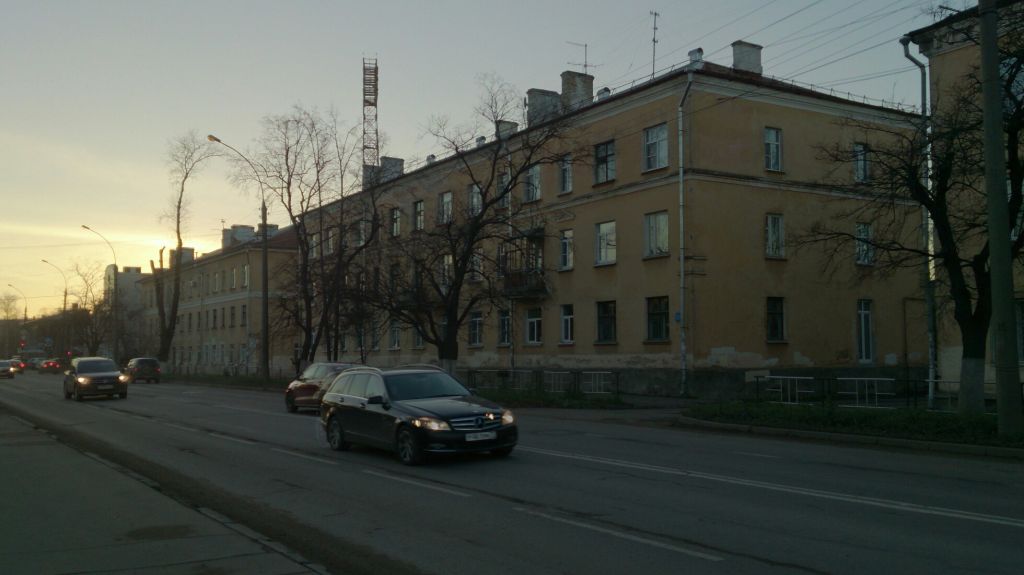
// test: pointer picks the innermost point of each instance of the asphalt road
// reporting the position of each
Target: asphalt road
(582, 493)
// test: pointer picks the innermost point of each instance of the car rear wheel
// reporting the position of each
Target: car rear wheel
(336, 435)
(289, 403)
(408, 448)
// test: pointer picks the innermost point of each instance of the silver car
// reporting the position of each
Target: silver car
(94, 376)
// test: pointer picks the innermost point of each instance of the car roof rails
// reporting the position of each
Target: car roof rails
(419, 366)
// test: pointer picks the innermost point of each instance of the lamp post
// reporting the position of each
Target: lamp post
(264, 278)
(64, 308)
(22, 297)
(114, 300)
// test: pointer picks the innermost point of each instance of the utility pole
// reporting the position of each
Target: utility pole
(1004, 328)
(654, 42)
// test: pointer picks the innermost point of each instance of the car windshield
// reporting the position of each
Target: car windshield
(96, 366)
(422, 385)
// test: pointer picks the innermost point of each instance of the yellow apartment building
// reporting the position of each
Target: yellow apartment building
(603, 290)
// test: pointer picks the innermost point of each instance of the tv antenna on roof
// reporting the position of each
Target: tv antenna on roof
(586, 64)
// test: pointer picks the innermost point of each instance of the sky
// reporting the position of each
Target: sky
(92, 92)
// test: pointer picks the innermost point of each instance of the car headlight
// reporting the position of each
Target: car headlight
(123, 378)
(431, 424)
(507, 418)
(83, 380)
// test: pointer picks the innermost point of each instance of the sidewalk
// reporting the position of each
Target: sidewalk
(64, 511)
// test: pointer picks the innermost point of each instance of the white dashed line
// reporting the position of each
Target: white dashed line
(417, 483)
(303, 456)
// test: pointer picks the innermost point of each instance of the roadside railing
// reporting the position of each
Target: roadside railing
(858, 392)
(556, 382)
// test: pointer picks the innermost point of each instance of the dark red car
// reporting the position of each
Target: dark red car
(50, 366)
(308, 389)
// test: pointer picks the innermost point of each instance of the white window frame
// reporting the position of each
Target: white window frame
(774, 236)
(534, 326)
(245, 275)
(394, 335)
(504, 327)
(475, 198)
(504, 194)
(418, 210)
(605, 248)
(567, 324)
(332, 238)
(656, 234)
(314, 245)
(864, 251)
(655, 152)
(566, 249)
(773, 149)
(861, 165)
(565, 174)
(865, 332)
(476, 329)
(444, 208)
(396, 222)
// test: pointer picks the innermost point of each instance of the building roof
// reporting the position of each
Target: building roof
(954, 18)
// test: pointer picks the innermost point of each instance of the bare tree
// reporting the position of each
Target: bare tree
(955, 202)
(96, 319)
(9, 306)
(186, 155)
(484, 243)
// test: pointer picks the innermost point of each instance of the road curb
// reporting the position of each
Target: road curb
(915, 444)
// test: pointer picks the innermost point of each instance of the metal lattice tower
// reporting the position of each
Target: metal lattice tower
(371, 150)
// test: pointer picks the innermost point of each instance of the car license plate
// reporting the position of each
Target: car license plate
(102, 387)
(482, 436)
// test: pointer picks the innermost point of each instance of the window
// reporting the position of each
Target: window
(417, 212)
(362, 226)
(417, 339)
(245, 315)
(604, 162)
(504, 327)
(216, 282)
(331, 243)
(656, 234)
(861, 169)
(865, 252)
(776, 319)
(396, 222)
(444, 208)
(214, 319)
(504, 193)
(604, 246)
(394, 335)
(606, 322)
(657, 318)
(568, 329)
(565, 174)
(532, 193)
(314, 246)
(865, 343)
(475, 199)
(234, 278)
(773, 149)
(446, 272)
(245, 275)
(565, 250)
(533, 325)
(476, 328)
(223, 318)
(656, 147)
(208, 324)
(232, 322)
(774, 236)
(189, 321)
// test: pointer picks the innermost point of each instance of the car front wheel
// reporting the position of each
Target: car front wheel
(289, 404)
(336, 435)
(408, 448)
(78, 394)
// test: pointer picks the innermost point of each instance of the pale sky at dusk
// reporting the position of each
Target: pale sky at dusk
(92, 91)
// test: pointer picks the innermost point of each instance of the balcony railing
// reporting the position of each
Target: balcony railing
(525, 283)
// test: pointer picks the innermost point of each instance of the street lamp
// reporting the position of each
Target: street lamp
(64, 309)
(22, 297)
(264, 278)
(85, 227)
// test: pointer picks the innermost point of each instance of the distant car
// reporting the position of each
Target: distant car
(308, 389)
(6, 369)
(413, 412)
(143, 369)
(94, 376)
(34, 362)
(50, 366)
(17, 365)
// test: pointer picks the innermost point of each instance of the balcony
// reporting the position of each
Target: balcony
(525, 283)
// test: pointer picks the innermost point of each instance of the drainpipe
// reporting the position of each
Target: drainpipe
(682, 257)
(928, 284)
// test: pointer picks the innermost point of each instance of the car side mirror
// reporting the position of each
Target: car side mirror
(375, 400)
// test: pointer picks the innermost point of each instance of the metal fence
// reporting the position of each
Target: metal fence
(573, 382)
(858, 392)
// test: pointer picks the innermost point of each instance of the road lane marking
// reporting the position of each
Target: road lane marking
(229, 438)
(819, 493)
(622, 535)
(181, 427)
(310, 457)
(417, 483)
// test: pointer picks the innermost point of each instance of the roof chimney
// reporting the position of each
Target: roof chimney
(746, 57)
(504, 129)
(603, 93)
(431, 158)
(480, 141)
(391, 168)
(697, 55)
(541, 105)
(577, 90)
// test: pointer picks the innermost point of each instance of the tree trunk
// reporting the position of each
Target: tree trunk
(971, 398)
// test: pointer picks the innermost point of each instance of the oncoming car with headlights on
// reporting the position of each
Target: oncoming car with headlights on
(94, 376)
(413, 412)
